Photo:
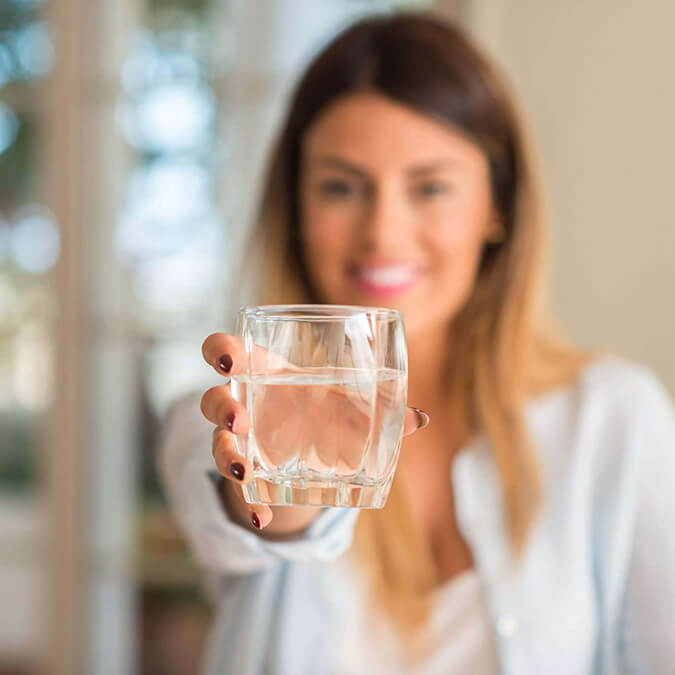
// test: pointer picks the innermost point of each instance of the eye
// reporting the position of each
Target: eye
(432, 188)
(335, 188)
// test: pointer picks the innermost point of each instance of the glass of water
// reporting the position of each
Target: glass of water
(325, 387)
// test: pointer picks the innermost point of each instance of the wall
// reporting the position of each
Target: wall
(596, 81)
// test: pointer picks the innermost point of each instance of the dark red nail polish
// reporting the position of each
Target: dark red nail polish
(255, 520)
(229, 422)
(225, 363)
(237, 470)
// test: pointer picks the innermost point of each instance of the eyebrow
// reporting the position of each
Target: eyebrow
(435, 165)
(334, 162)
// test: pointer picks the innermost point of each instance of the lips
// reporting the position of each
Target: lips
(385, 279)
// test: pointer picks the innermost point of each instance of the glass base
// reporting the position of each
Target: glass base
(303, 492)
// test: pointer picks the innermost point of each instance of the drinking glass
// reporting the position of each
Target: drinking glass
(325, 387)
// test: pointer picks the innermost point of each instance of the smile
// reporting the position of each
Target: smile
(384, 280)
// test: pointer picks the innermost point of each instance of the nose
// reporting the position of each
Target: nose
(386, 225)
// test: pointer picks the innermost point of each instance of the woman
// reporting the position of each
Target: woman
(529, 527)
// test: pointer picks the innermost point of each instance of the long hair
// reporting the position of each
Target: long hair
(504, 349)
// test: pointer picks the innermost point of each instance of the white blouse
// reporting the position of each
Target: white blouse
(594, 591)
(456, 640)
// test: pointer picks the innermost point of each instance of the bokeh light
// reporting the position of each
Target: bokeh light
(168, 203)
(34, 50)
(175, 283)
(27, 5)
(35, 241)
(150, 63)
(6, 65)
(9, 127)
(171, 117)
(170, 227)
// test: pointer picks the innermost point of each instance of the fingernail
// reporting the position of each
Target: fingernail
(255, 520)
(422, 417)
(225, 363)
(237, 470)
(229, 422)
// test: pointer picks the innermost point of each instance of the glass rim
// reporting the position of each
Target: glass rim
(317, 312)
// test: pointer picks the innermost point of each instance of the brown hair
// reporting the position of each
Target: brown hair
(504, 348)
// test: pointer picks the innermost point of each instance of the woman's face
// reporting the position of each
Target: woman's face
(395, 210)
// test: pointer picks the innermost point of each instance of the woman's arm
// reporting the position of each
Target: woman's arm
(221, 542)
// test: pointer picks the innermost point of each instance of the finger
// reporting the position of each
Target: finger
(225, 353)
(229, 462)
(219, 407)
(259, 515)
(238, 470)
(415, 419)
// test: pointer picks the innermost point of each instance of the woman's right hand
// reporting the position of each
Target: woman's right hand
(226, 354)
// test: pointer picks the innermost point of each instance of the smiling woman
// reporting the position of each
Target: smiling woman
(511, 538)
(398, 221)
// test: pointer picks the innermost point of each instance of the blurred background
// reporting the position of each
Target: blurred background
(132, 137)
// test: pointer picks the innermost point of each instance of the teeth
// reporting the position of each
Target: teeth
(387, 276)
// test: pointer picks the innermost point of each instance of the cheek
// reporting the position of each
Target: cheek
(461, 222)
(325, 229)
(454, 241)
(327, 235)
(458, 232)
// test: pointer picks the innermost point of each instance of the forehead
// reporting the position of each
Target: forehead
(376, 132)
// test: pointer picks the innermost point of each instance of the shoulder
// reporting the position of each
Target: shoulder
(625, 400)
(605, 423)
(609, 392)
(620, 382)
(628, 408)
